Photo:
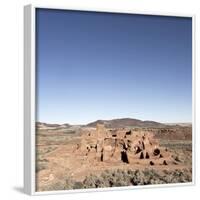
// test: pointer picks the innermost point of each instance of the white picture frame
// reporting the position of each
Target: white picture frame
(30, 96)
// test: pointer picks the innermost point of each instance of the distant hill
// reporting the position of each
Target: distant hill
(188, 124)
(43, 125)
(115, 123)
(127, 122)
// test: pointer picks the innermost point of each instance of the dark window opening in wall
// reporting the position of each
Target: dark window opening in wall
(124, 157)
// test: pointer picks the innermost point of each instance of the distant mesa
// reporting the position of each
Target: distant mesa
(46, 124)
(116, 123)
(127, 122)
(42, 125)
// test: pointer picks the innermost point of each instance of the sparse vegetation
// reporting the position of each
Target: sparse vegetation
(136, 177)
(119, 178)
(41, 165)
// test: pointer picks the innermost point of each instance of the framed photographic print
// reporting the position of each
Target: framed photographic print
(109, 100)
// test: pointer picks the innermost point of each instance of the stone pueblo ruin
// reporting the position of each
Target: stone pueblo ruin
(123, 145)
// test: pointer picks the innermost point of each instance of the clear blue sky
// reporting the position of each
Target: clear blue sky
(102, 66)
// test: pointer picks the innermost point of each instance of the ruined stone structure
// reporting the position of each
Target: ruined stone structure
(123, 145)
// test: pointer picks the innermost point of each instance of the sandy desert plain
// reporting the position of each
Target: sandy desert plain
(112, 153)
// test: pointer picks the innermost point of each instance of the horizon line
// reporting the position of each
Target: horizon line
(167, 122)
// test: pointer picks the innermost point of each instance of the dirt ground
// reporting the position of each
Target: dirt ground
(59, 166)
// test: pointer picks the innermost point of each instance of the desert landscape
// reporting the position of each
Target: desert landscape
(113, 100)
(112, 153)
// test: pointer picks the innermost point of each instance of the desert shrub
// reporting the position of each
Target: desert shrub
(55, 186)
(177, 176)
(59, 185)
(78, 185)
(41, 166)
(90, 181)
(117, 178)
(69, 183)
(136, 177)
